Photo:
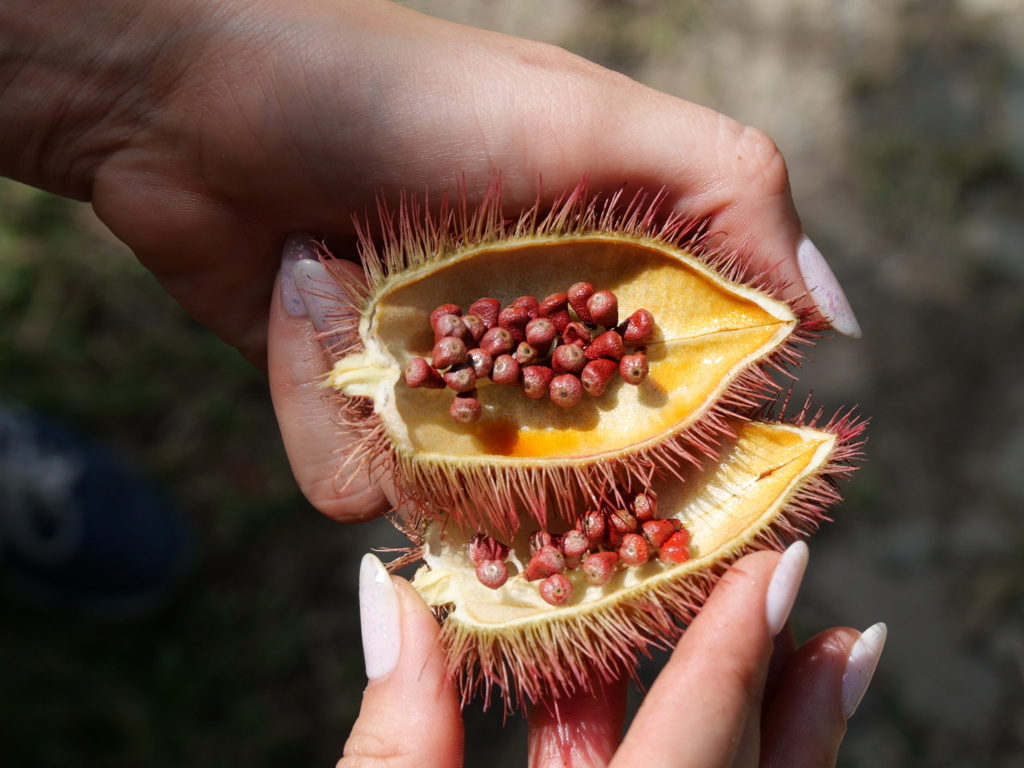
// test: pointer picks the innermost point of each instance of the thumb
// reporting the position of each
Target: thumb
(322, 451)
(410, 715)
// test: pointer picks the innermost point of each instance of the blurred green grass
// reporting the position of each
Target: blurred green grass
(257, 660)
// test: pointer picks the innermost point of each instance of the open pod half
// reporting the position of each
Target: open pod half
(770, 485)
(711, 333)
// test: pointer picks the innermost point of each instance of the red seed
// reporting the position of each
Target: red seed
(657, 532)
(556, 589)
(622, 521)
(419, 373)
(574, 543)
(514, 320)
(460, 377)
(487, 310)
(525, 354)
(482, 547)
(594, 525)
(529, 303)
(645, 506)
(475, 327)
(599, 567)
(560, 320)
(480, 361)
(466, 408)
(578, 294)
(497, 341)
(608, 344)
(576, 333)
(639, 327)
(547, 561)
(492, 573)
(676, 549)
(476, 548)
(565, 390)
(505, 371)
(539, 540)
(633, 368)
(555, 304)
(612, 539)
(445, 309)
(537, 381)
(447, 352)
(540, 333)
(450, 325)
(634, 549)
(596, 374)
(603, 307)
(568, 358)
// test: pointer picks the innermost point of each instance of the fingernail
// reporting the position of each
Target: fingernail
(860, 666)
(319, 293)
(825, 290)
(297, 247)
(785, 583)
(378, 618)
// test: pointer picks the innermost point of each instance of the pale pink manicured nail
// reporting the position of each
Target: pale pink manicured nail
(378, 618)
(318, 292)
(785, 583)
(860, 666)
(297, 247)
(825, 290)
(322, 300)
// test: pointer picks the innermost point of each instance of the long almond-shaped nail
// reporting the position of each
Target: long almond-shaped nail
(318, 292)
(825, 290)
(323, 300)
(860, 666)
(297, 247)
(379, 618)
(785, 583)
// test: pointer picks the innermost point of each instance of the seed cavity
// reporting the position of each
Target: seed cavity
(600, 544)
(560, 347)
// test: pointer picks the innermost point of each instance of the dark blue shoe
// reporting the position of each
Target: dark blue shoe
(80, 532)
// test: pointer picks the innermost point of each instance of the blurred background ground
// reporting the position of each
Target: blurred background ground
(903, 125)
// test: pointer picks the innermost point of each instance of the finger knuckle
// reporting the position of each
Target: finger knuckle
(364, 750)
(761, 162)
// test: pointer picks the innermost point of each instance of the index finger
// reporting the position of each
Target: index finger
(713, 680)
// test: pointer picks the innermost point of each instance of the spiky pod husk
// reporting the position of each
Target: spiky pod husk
(492, 487)
(548, 652)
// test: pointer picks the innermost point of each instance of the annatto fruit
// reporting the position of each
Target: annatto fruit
(576, 410)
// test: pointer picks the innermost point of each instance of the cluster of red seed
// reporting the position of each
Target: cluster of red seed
(600, 542)
(535, 345)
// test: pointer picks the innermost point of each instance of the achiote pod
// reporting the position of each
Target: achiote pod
(670, 428)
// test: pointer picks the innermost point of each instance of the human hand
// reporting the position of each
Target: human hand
(204, 132)
(730, 695)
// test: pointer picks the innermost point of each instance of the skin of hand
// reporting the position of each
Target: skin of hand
(204, 132)
(728, 697)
